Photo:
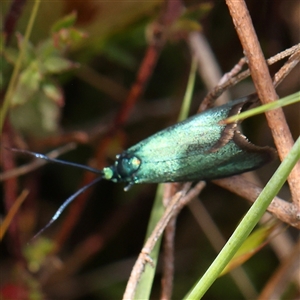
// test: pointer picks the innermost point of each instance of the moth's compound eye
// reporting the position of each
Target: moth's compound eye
(127, 165)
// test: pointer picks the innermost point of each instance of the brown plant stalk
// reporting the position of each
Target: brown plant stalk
(265, 90)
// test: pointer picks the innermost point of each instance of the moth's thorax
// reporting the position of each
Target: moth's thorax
(124, 168)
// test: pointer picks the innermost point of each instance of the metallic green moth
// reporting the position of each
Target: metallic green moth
(199, 148)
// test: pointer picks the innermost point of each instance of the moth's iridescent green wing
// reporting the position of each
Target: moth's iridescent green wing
(199, 148)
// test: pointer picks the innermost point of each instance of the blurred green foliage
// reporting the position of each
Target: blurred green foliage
(38, 97)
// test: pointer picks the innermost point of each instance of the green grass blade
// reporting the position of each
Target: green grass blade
(291, 99)
(247, 224)
(186, 104)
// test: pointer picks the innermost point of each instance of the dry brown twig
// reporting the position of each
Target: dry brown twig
(231, 78)
(208, 66)
(282, 209)
(179, 200)
(170, 189)
(265, 90)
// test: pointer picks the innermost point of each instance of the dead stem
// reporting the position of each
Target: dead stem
(232, 78)
(168, 260)
(170, 190)
(179, 200)
(265, 89)
(208, 68)
(283, 210)
(287, 68)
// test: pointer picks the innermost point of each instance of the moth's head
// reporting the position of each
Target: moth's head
(124, 168)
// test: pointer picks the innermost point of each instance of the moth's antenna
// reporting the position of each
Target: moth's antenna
(65, 204)
(59, 161)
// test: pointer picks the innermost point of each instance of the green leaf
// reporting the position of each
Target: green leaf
(31, 77)
(189, 20)
(56, 64)
(185, 25)
(28, 84)
(67, 38)
(46, 48)
(74, 36)
(53, 92)
(38, 117)
(36, 253)
(64, 35)
(197, 12)
(66, 22)
(50, 113)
